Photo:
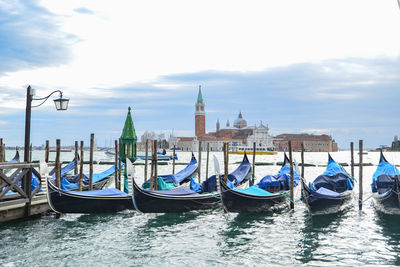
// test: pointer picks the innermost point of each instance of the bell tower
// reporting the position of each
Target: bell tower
(200, 115)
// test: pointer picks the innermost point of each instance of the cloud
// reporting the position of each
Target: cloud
(31, 37)
(83, 10)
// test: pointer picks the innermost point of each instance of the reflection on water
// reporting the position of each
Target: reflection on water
(390, 228)
(315, 227)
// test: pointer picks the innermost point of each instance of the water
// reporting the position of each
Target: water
(206, 238)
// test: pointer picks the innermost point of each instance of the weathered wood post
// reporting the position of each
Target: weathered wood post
(91, 162)
(116, 165)
(173, 160)
(146, 160)
(155, 165)
(47, 151)
(119, 164)
(199, 163)
(254, 163)
(226, 162)
(360, 179)
(208, 158)
(302, 159)
(151, 186)
(58, 165)
(81, 168)
(291, 176)
(30, 153)
(2, 159)
(76, 158)
(352, 158)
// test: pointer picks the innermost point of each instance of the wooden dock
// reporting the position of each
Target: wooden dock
(17, 200)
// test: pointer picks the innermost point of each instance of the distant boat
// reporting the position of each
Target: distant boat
(240, 150)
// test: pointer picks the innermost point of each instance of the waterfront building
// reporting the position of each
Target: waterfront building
(312, 143)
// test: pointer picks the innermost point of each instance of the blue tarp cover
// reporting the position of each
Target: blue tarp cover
(327, 193)
(178, 191)
(195, 186)
(103, 192)
(237, 176)
(181, 175)
(254, 190)
(334, 178)
(281, 180)
(383, 176)
(97, 177)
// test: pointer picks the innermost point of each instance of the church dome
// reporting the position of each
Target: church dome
(240, 122)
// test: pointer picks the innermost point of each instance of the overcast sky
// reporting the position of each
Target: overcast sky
(309, 66)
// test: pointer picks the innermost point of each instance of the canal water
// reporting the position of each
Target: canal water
(204, 238)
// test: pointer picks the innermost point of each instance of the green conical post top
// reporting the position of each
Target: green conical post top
(129, 130)
(200, 96)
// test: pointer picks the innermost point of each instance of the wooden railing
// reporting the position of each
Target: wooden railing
(17, 179)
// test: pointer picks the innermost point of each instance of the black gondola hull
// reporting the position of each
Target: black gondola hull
(388, 203)
(148, 202)
(234, 201)
(319, 206)
(64, 202)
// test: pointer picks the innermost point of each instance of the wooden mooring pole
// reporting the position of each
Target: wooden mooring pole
(119, 165)
(352, 158)
(151, 186)
(81, 168)
(116, 165)
(291, 176)
(208, 158)
(155, 165)
(302, 159)
(360, 179)
(173, 160)
(226, 162)
(2, 158)
(58, 164)
(47, 151)
(254, 163)
(91, 162)
(199, 163)
(76, 158)
(30, 153)
(58, 169)
(146, 160)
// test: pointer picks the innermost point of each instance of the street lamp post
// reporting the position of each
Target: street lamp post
(61, 104)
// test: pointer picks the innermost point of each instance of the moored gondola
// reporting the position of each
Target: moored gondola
(330, 192)
(96, 201)
(385, 186)
(182, 199)
(269, 194)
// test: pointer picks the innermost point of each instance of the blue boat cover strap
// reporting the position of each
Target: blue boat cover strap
(104, 192)
(254, 190)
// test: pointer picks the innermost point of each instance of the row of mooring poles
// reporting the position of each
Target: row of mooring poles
(117, 162)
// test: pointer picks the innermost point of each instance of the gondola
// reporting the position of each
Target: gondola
(183, 199)
(330, 192)
(385, 187)
(269, 194)
(96, 201)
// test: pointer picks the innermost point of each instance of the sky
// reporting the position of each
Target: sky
(310, 66)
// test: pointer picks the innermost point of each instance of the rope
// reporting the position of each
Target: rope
(368, 197)
(288, 198)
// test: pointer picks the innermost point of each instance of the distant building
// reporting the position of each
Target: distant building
(396, 144)
(312, 143)
(237, 135)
